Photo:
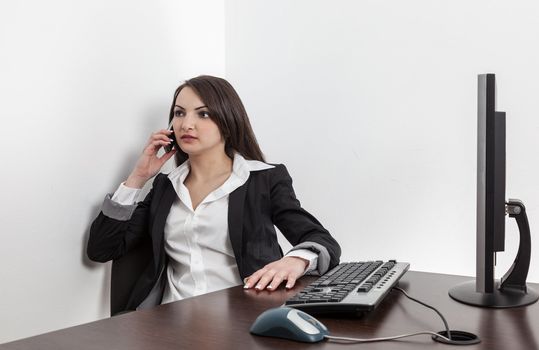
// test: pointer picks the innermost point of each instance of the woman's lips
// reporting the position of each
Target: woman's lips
(188, 138)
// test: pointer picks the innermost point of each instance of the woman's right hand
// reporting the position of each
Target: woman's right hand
(149, 163)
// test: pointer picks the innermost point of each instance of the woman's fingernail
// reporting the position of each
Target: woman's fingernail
(258, 287)
(270, 287)
(246, 286)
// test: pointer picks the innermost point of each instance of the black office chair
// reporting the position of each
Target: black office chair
(124, 274)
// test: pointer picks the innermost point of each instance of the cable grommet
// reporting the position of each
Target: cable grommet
(457, 338)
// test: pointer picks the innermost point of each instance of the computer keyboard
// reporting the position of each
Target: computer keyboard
(352, 287)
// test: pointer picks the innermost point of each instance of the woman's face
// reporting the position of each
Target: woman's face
(195, 132)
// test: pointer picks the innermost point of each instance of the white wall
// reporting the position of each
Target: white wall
(82, 86)
(372, 106)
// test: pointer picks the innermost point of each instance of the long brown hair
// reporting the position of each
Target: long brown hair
(227, 111)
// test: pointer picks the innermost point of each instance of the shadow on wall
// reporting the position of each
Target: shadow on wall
(122, 172)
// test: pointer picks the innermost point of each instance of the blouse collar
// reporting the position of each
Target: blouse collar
(241, 169)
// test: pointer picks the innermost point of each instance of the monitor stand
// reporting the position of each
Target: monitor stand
(512, 290)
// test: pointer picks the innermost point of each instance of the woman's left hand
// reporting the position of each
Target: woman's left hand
(288, 268)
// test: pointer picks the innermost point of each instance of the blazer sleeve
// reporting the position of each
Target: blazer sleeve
(299, 227)
(118, 228)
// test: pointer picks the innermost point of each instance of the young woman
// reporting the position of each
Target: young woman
(211, 221)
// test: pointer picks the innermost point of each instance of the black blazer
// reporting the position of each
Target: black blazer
(265, 200)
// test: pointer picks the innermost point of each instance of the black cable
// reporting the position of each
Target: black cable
(430, 307)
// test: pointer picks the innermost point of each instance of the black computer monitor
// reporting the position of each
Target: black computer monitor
(490, 182)
(492, 207)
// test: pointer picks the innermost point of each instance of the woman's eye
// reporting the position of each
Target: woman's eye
(178, 113)
(204, 114)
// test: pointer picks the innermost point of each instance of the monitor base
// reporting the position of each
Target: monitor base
(466, 293)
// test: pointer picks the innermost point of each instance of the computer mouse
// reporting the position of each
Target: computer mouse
(289, 323)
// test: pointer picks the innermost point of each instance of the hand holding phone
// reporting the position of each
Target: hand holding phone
(149, 163)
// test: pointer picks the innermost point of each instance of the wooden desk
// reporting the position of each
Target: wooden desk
(221, 320)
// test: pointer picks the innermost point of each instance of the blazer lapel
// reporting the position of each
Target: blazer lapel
(158, 227)
(236, 201)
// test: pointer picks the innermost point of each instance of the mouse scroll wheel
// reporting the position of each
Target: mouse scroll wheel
(312, 322)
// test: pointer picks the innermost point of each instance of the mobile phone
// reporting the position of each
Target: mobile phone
(170, 146)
